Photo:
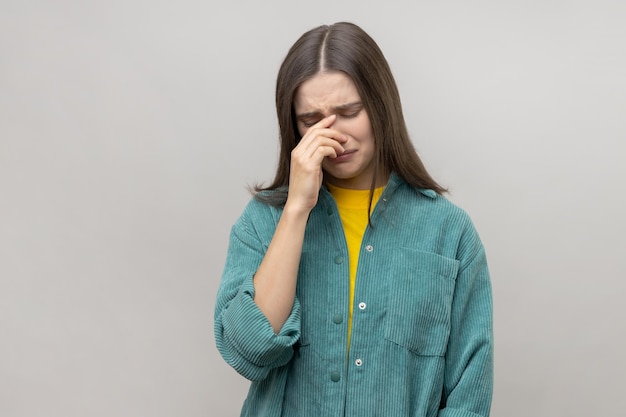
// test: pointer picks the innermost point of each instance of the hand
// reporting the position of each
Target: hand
(305, 179)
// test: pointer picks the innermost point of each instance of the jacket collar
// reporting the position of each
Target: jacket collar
(394, 182)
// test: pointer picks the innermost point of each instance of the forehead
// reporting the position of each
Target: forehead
(325, 91)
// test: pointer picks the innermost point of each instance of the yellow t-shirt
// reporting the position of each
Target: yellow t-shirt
(353, 205)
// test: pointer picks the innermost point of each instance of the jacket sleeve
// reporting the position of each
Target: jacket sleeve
(243, 335)
(468, 377)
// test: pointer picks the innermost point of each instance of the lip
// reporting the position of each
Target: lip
(347, 155)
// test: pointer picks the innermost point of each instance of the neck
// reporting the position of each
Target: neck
(357, 183)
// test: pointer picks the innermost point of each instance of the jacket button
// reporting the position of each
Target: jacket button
(337, 319)
(362, 305)
(335, 376)
(369, 248)
(358, 362)
(338, 259)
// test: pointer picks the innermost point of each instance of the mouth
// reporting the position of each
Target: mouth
(344, 156)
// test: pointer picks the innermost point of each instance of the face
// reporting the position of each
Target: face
(330, 93)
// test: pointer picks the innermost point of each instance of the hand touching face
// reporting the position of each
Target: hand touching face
(318, 143)
(334, 94)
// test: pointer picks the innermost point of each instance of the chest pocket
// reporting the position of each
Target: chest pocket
(420, 301)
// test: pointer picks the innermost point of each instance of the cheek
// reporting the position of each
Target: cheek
(301, 130)
(355, 128)
(362, 126)
(363, 133)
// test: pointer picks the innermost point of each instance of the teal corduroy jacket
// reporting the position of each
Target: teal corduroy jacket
(422, 339)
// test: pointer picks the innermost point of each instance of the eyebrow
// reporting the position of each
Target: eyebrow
(343, 107)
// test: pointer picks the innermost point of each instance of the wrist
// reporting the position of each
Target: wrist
(296, 211)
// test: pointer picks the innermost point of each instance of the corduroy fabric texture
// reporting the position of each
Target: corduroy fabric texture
(422, 345)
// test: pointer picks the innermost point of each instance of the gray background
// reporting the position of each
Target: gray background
(130, 129)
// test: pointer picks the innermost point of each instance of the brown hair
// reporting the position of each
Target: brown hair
(345, 47)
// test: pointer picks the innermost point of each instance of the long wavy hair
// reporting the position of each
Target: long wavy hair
(347, 48)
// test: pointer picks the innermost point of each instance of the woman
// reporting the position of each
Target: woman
(351, 286)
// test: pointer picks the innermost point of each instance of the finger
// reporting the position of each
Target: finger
(324, 152)
(323, 128)
(325, 122)
(308, 150)
(315, 138)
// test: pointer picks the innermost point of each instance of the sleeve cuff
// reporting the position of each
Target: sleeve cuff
(251, 335)
(455, 412)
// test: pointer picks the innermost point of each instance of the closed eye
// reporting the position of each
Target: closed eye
(345, 111)
(351, 115)
(307, 123)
